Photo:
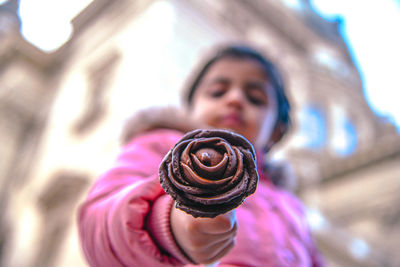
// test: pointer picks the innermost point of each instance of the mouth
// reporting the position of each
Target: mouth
(232, 121)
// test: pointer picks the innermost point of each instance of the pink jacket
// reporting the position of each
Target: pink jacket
(125, 219)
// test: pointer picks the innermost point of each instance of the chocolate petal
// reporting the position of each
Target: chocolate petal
(250, 161)
(193, 178)
(233, 193)
(182, 153)
(234, 179)
(231, 167)
(209, 211)
(208, 156)
(213, 172)
(178, 152)
(184, 187)
(231, 137)
(205, 142)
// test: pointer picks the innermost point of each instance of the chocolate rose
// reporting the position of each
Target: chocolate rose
(209, 172)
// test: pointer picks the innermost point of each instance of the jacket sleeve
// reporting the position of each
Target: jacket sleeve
(125, 219)
(317, 259)
(296, 219)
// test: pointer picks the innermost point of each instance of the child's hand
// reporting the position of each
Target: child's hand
(204, 240)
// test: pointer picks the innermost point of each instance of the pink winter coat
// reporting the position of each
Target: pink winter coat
(125, 218)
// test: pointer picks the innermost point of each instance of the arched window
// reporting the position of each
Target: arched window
(312, 128)
(330, 59)
(344, 139)
(294, 4)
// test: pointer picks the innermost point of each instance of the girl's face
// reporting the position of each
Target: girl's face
(235, 94)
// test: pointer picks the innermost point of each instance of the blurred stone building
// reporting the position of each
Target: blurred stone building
(62, 112)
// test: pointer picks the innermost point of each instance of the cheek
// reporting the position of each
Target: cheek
(199, 112)
(266, 128)
(268, 117)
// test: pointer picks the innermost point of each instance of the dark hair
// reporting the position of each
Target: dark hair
(274, 76)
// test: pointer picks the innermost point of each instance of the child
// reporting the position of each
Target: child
(128, 220)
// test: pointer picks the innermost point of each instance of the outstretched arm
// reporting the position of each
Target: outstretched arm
(113, 221)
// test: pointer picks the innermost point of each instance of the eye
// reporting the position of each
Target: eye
(257, 102)
(256, 94)
(217, 92)
(217, 88)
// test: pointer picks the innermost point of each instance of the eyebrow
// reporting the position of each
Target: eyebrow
(255, 84)
(258, 84)
(217, 80)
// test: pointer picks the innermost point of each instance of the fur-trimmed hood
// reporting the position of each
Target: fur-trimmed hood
(158, 117)
(174, 118)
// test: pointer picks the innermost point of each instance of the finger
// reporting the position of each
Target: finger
(216, 252)
(219, 225)
(214, 240)
(202, 242)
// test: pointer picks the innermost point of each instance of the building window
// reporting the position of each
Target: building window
(99, 77)
(294, 4)
(312, 128)
(344, 139)
(330, 60)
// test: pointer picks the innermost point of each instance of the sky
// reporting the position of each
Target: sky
(47, 23)
(369, 28)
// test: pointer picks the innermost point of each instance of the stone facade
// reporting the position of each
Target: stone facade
(62, 113)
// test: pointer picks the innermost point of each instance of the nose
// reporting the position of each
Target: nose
(235, 98)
